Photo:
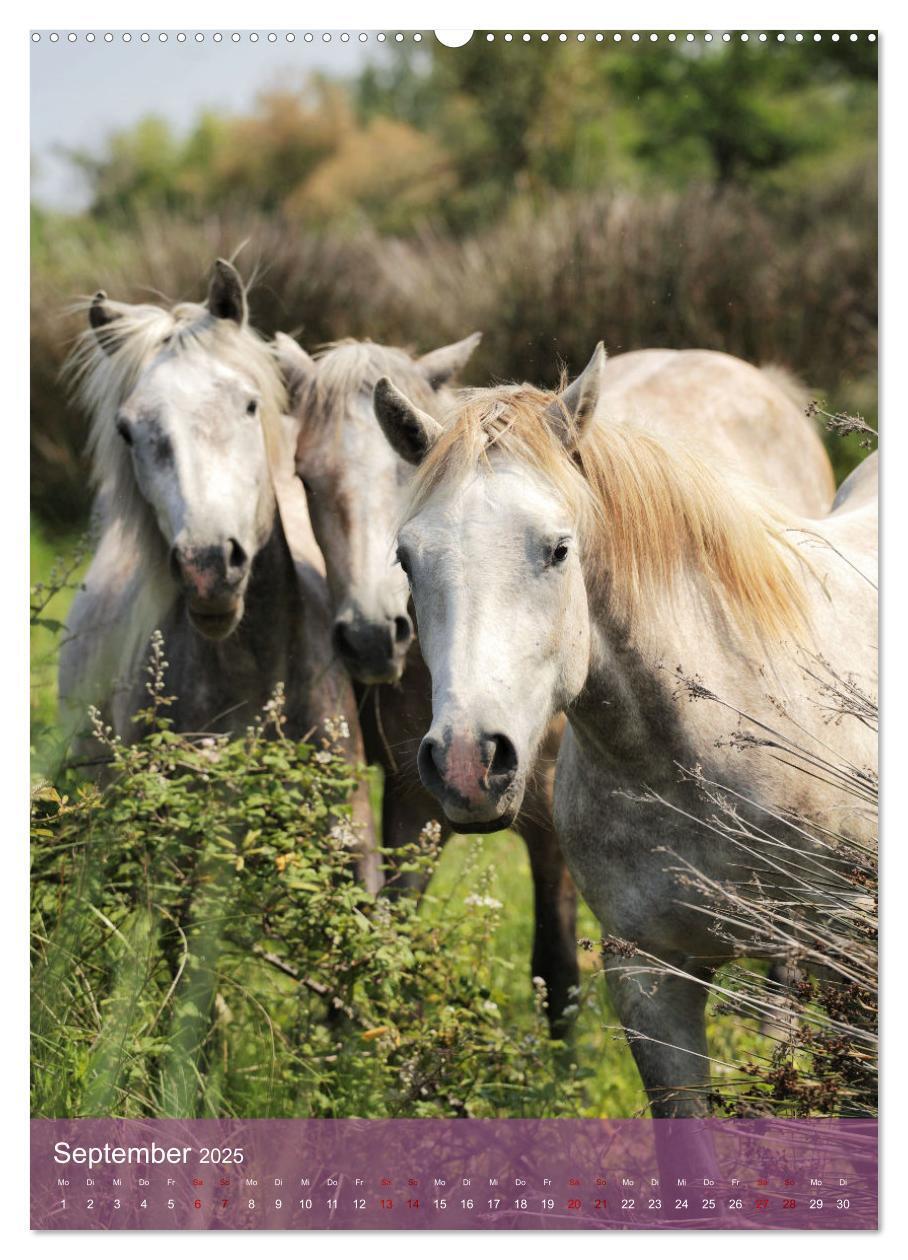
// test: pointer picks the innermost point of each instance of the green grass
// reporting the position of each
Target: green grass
(497, 864)
(46, 555)
(43, 642)
(612, 1086)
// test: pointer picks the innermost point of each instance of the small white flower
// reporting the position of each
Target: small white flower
(337, 728)
(431, 832)
(487, 903)
(343, 834)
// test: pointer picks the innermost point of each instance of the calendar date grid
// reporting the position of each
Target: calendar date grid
(226, 1190)
(451, 1175)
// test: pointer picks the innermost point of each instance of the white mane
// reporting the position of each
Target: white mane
(350, 367)
(129, 573)
(103, 378)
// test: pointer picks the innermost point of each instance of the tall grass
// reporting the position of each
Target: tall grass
(807, 896)
(784, 278)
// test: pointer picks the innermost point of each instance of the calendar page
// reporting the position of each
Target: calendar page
(454, 629)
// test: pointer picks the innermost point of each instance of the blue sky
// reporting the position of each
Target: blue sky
(82, 92)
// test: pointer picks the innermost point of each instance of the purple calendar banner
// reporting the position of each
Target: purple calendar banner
(453, 1174)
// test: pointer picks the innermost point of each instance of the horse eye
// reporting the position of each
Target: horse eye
(252, 407)
(403, 561)
(560, 553)
(125, 432)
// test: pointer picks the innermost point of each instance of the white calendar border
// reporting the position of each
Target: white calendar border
(405, 15)
(530, 15)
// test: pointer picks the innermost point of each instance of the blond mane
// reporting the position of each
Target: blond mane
(648, 515)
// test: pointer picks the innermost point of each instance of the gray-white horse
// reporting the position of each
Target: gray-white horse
(580, 552)
(187, 414)
(356, 486)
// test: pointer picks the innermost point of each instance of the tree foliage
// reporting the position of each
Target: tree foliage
(455, 134)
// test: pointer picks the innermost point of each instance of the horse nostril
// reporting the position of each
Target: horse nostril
(236, 556)
(504, 756)
(430, 764)
(342, 640)
(403, 630)
(175, 568)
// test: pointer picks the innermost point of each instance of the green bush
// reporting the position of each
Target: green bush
(201, 947)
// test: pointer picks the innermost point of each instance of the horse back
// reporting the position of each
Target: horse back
(733, 414)
(860, 487)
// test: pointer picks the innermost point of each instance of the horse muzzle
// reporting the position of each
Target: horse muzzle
(213, 579)
(373, 651)
(216, 619)
(476, 777)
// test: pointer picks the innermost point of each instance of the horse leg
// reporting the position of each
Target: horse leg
(555, 924)
(393, 721)
(405, 812)
(664, 1017)
(367, 864)
(782, 1019)
(554, 894)
(340, 701)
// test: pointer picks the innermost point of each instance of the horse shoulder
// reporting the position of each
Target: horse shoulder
(94, 627)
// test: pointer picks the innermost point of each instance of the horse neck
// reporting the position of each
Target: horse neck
(224, 685)
(273, 606)
(629, 711)
(274, 610)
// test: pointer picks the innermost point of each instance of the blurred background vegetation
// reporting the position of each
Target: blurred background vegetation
(715, 195)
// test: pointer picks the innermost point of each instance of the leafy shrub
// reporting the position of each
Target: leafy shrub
(201, 947)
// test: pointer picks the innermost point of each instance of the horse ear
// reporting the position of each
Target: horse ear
(296, 366)
(411, 432)
(571, 412)
(226, 295)
(103, 316)
(438, 366)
